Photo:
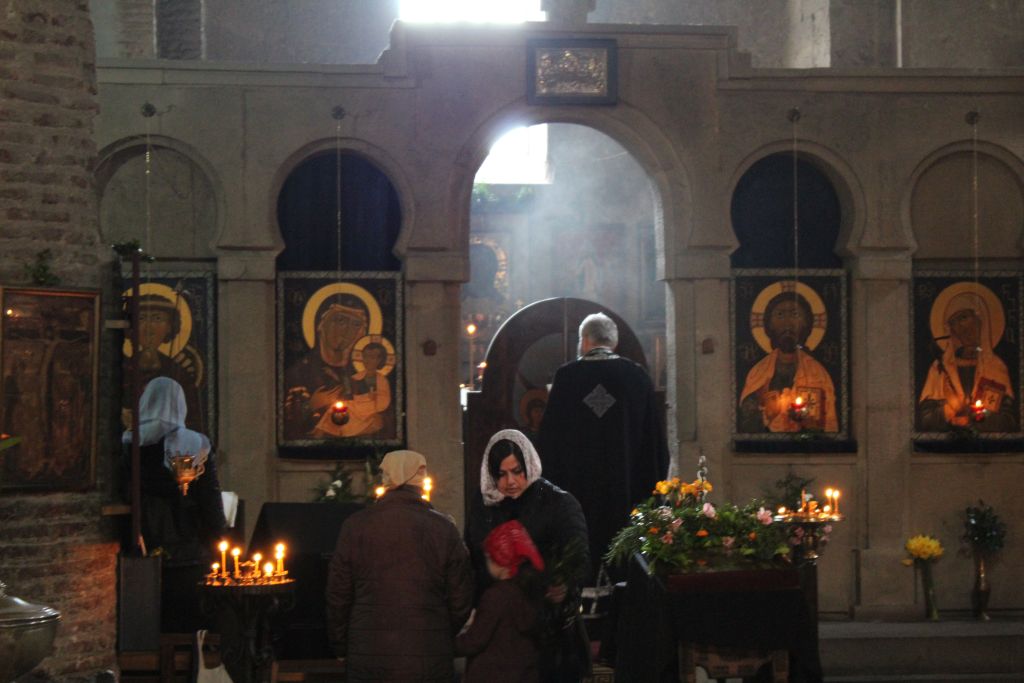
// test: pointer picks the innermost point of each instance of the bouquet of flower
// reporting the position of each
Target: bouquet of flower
(984, 532)
(923, 552)
(922, 548)
(677, 529)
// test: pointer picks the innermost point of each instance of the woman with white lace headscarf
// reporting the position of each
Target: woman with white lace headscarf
(511, 487)
(182, 529)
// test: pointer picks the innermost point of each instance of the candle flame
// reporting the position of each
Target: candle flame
(471, 329)
(235, 552)
(279, 548)
(379, 491)
(222, 546)
(215, 566)
(268, 568)
(256, 558)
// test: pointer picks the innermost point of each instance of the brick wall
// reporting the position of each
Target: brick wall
(55, 548)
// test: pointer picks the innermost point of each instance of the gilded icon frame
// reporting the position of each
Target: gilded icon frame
(366, 313)
(49, 361)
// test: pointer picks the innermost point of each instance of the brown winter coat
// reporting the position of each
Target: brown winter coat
(398, 590)
(502, 641)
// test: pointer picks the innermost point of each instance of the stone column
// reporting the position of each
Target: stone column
(432, 327)
(247, 340)
(699, 332)
(568, 12)
(55, 548)
(882, 368)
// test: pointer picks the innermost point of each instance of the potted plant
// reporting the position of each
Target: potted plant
(984, 536)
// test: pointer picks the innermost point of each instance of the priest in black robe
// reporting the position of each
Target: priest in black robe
(602, 438)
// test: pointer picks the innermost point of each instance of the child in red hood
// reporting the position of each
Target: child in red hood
(500, 639)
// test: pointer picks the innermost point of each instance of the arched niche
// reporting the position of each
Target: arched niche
(174, 211)
(829, 170)
(942, 204)
(338, 201)
(763, 219)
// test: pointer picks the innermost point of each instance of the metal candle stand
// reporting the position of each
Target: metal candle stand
(249, 604)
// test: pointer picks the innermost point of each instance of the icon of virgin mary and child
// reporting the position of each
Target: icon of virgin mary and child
(348, 361)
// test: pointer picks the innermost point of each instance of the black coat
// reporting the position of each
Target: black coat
(399, 588)
(186, 529)
(556, 524)
(602, 440)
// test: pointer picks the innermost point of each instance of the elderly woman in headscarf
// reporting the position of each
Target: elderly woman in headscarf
(181, 528)
(400, 584)
(511, 487)
(967, 371)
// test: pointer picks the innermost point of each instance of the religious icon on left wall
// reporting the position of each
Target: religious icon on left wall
(339, 360)
(48, 358)
(177, 331)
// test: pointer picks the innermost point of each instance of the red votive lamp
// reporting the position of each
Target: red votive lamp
(339, 413)
(979, 411)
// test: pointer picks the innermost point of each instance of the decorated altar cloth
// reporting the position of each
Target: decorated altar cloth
(756, 609)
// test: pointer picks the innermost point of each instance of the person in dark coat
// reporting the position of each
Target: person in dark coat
(601, 438)
(183, 529)
(501, 639)
(511, 488)
(400, 585)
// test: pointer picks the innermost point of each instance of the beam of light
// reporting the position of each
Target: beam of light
(481, 11)
(520, 157)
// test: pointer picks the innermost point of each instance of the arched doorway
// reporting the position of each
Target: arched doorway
(522, 357)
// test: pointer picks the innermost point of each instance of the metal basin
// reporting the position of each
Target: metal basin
(26, 634)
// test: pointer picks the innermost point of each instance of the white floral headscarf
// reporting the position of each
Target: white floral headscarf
(488, 488)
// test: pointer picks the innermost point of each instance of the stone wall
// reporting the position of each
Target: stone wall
(54, 547)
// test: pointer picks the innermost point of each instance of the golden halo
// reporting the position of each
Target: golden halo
(357, 353)
(994, 318)
(173, 347)
(818, 325)
(313, 306)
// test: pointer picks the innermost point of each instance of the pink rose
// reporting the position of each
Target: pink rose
(764, 516)
(727, 541)
(667, 538)
(709, 510)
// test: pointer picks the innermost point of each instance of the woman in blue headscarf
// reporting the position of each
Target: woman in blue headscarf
(182, 529)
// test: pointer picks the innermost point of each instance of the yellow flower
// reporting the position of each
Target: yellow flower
(662, 488)
(922, 547)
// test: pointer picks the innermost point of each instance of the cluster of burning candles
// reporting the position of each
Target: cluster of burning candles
(247, 572)
(428, 486)
(811, 511)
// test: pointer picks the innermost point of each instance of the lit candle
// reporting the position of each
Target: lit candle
(235, 552)
(379, 491)
(782, 509)
(339, 413)
(256, 564)
(828, 496)
(835, 498)
(979, 410)
(215, 567)
(279, 554)
(268, 569)
(223, 547)
(428, 484)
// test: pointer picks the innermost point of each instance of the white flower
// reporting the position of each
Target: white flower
(329, 493)
(336, 484)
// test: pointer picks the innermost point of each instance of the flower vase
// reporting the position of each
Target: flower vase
(931, 609)
(980, 594)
